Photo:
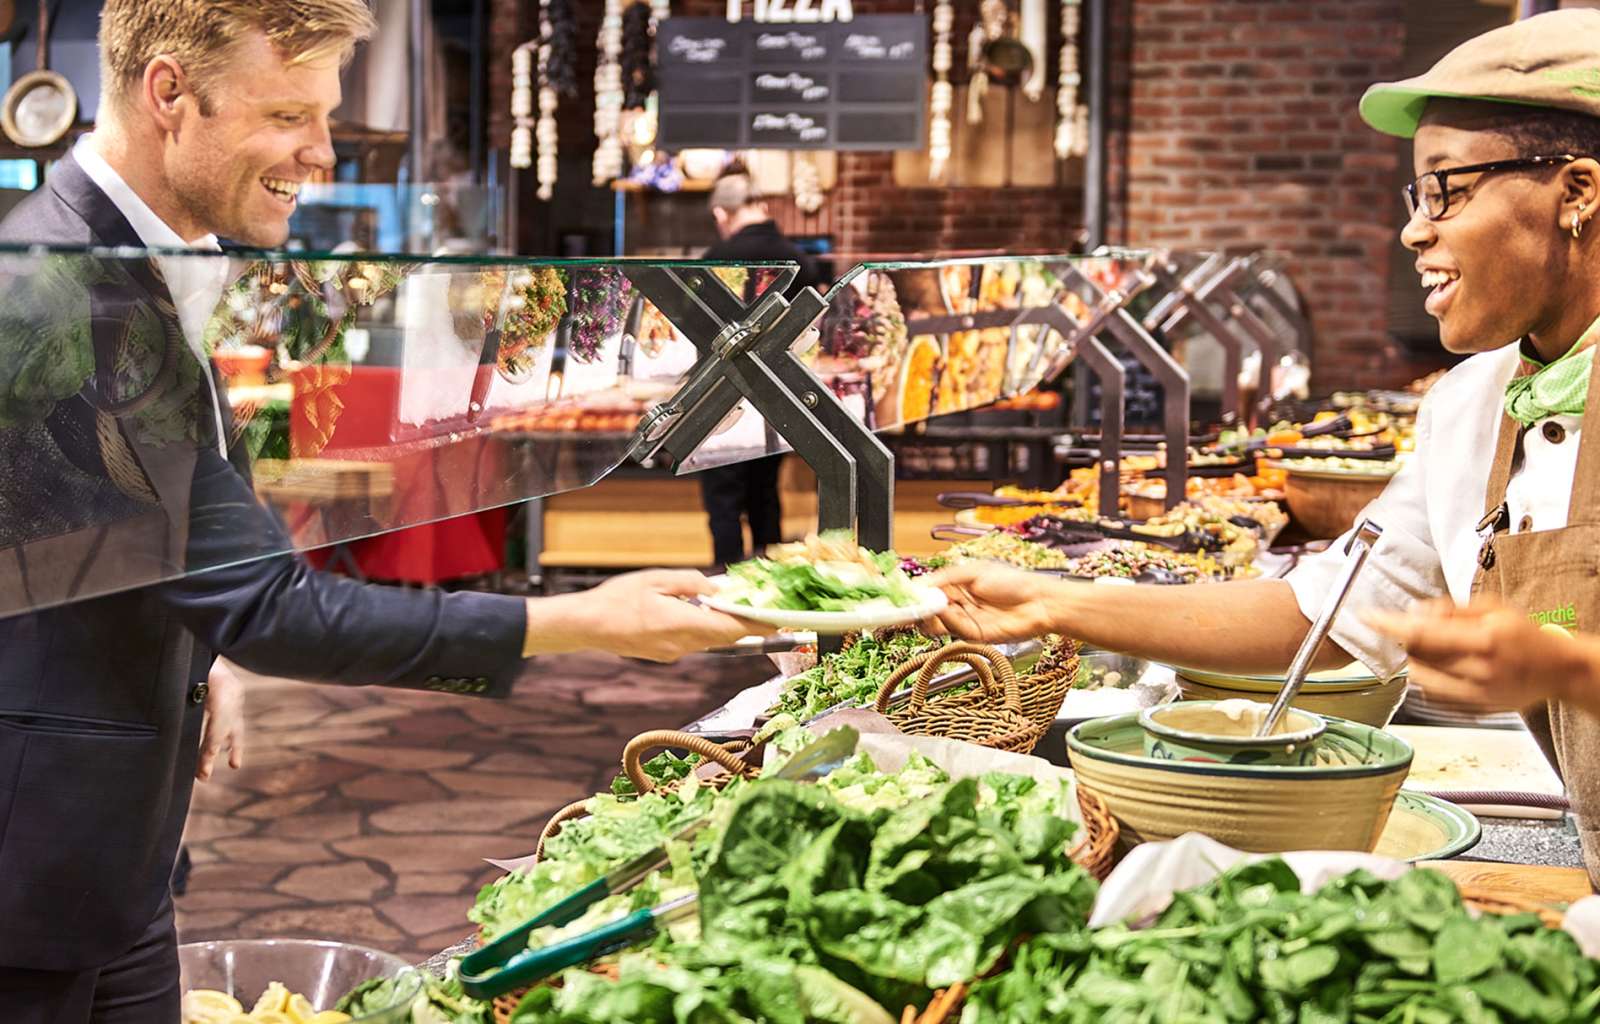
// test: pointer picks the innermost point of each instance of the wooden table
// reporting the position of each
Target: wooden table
(1535, 882)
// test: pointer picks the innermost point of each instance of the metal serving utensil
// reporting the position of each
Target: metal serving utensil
(1360, 546)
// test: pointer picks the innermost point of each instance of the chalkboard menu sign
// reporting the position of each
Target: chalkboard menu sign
(858, 84)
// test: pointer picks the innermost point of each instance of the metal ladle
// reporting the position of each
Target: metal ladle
(1360, 546)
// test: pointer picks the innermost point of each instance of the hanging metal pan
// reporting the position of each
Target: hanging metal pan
(41, 106)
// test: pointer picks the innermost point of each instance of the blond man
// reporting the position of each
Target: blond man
(213, 115)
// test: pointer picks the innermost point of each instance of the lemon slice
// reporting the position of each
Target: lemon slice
(208, 1006)
(271, 1017)
(273, 1000)
(299, 1009)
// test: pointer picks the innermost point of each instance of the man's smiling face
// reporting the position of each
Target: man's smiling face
(237, 165)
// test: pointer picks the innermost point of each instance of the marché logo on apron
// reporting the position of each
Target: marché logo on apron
(1560, 615)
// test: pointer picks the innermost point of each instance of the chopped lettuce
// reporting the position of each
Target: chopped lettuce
(825, 587)
(826, 573)
(856, 673)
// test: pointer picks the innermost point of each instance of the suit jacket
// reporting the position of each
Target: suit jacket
(100, 699)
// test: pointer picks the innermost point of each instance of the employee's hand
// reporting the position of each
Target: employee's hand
(1486, 657)
(224, 725)
(990, 603)
(639, 615)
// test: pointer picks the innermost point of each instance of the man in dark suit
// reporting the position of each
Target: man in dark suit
(115, 470)
(748, 491)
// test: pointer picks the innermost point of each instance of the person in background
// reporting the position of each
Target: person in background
(748, 491)
(213, 114)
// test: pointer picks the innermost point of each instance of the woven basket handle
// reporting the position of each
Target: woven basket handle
(728, 756)
(989, 664)
(551, 827)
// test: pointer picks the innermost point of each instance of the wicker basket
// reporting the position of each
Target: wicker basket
(732, 757)
(990, 715)
(1044, 688)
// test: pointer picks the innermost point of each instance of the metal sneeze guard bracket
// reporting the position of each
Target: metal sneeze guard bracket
(747, 353)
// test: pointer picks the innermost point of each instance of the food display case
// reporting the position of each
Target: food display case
(363, 394)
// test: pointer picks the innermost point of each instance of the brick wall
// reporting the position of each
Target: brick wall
(1240, 130)
(1234, 125)
(874, 216)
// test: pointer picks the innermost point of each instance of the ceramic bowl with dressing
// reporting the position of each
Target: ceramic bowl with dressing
(1352, 692)
(1339, 800)
(1224, 732)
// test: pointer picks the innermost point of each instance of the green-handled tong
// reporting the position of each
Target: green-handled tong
(508, 963)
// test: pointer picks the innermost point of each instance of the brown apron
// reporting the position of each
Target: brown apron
(1554, 576)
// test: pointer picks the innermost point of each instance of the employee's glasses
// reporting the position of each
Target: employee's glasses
(1432, 194)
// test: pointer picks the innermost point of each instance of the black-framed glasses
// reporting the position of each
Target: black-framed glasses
(1431, 193)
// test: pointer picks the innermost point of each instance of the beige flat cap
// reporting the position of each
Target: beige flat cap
(1548, 60)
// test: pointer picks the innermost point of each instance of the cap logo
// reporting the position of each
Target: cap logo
(1585, 82)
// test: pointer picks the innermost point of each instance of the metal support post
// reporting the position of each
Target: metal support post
(747, 353)
(1088, 355)
(1184, 299)
(1174, 381)
(1263, 286)
(1111, 315)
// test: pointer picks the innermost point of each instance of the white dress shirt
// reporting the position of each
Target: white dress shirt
(195, 282)
(1431, 509)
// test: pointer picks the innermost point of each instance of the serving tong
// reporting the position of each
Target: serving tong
(1360, 547)
(508, 963)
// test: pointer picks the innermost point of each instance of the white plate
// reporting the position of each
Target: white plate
(930, 601)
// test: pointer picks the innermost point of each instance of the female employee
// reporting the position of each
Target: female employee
(1501, 497)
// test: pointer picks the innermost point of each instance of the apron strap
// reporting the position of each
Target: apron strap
(1500, 468)
(1585, 506)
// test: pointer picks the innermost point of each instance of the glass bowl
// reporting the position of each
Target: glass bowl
(321, 971)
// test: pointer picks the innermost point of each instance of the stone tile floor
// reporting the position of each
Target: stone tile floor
(363, 813)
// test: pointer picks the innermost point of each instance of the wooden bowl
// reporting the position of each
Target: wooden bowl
(1340, 803)
(1352, 693)
(1326, 505)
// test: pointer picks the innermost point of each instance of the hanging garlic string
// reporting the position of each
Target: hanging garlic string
(807, 184)
(943, 98)
(608, 96)
(1033, 23)
(977, 77)
(1067, 142)
(522, 106)
(546, 131)
(990, 26)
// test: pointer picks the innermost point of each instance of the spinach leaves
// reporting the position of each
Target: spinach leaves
(811, 910)
(1251, 947)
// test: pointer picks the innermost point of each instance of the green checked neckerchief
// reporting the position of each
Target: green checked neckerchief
(1558, 388)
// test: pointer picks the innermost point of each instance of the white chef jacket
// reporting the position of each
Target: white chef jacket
(1431, 509)
(195, 282)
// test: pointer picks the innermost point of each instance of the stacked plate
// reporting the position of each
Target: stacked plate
(1418, 708)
